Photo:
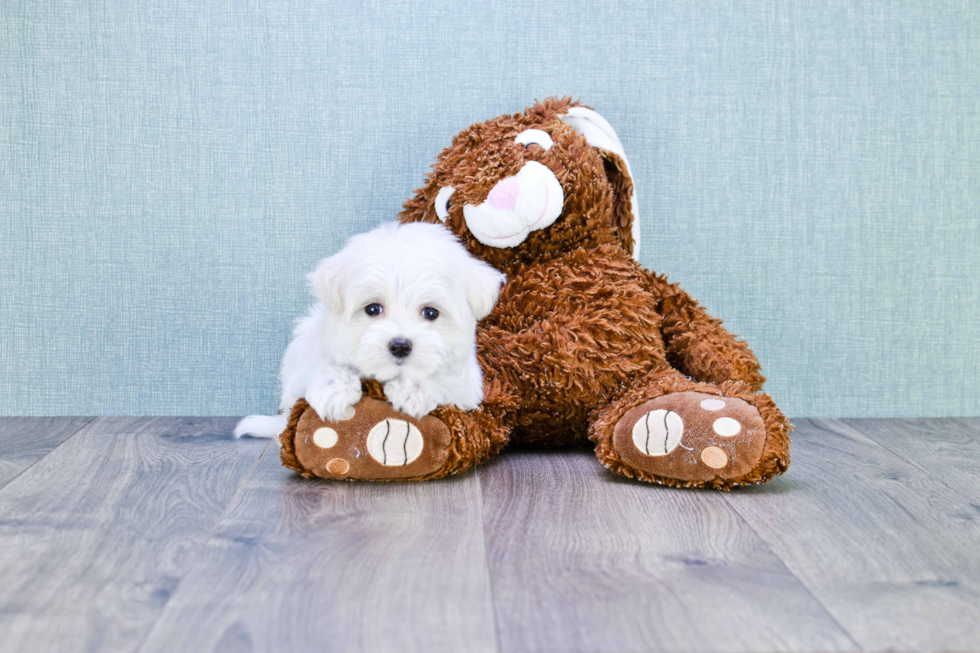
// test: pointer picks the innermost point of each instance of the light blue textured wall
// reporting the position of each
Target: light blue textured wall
(170, 170)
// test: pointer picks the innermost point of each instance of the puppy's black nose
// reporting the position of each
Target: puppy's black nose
(400, 347)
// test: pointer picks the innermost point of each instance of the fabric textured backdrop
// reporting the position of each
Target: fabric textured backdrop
(169, 171)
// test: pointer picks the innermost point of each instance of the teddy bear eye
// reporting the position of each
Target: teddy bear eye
(442, 202)
(534, 137)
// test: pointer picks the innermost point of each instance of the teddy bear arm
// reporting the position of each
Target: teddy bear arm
(698, 345)
(501, 356)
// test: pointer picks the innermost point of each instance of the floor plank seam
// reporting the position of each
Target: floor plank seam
(731, 504)
(942, 481)
(486, 558)
(204, 545)
(836, 527)
(823, 606)
(872, 441)
(846, 430)
(81, 428)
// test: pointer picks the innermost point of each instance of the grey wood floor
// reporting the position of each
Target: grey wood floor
(164, 534)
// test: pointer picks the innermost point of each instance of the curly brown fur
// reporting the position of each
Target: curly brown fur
(287, 440)
(484, 153)
(697, 344)
(580, 327)
(622, 187)
(561, 340)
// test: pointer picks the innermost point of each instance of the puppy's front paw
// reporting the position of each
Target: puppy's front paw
(411, 398)
(334, 401)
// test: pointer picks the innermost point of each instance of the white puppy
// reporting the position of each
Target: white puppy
(398, 304)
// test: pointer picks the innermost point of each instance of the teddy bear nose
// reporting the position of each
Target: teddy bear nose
(503, 196)
(400, 347)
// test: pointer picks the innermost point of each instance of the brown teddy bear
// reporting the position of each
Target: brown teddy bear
(584, 344)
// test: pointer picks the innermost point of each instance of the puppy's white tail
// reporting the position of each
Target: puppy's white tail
(262, 426)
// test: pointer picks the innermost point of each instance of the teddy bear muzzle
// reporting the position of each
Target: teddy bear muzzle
(530, 200)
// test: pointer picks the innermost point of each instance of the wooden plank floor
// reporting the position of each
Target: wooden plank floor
(164, 534)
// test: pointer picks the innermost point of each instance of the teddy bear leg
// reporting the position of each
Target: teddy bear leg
(670, 430)
(377, 443)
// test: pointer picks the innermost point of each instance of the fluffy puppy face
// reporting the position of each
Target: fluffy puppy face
(403, 301)
(549, 180)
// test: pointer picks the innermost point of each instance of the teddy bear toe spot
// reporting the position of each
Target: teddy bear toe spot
(714, 457)
(325, 437)
(658, 432)
(712, 404)
(338, 466)
(395, 442)
(348, 414)
(726, 427)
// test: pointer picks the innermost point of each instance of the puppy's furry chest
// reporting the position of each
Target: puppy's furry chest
(581, 326)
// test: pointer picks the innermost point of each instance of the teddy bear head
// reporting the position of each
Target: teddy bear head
(530, 185)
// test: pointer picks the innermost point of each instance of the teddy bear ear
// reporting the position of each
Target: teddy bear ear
(600, 135)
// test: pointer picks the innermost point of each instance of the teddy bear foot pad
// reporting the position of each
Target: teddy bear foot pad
(691, 436)
(374, 443)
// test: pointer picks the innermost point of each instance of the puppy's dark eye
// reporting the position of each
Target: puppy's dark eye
(374, 310)
(430, 313)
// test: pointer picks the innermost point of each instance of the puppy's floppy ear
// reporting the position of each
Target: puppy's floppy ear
(483, 284)
(600, 135)
(328, 281)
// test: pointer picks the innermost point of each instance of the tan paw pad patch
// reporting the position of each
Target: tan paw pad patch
(714, 457)
(372, 442)
(691, 436)
(338, 466)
